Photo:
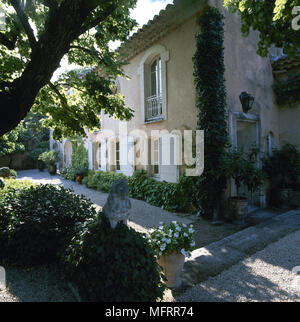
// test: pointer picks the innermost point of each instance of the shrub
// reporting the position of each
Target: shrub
(176, 197)
(4, 172)
(282, 170)
(113, 264)
(101, 180)
(13, 174)
(16, 185)
(36, 222)
(49, 157)
(79, 164)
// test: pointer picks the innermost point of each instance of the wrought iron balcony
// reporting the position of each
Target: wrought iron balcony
(153, 108)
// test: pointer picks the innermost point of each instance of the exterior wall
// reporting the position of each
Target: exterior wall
(180, 93)
(245, 71)
(289, 116)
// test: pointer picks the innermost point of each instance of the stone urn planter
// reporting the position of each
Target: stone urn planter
(238, 209)
(172, 266)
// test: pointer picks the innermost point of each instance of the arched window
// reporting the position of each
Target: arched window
(153, 74)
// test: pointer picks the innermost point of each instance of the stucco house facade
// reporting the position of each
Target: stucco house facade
(160, 89)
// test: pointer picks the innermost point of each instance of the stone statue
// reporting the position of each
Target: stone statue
(2, 184)
(118, 204)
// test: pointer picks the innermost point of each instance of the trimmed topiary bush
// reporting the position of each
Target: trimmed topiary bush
(37, 222)
(113, 264)
(4, 172)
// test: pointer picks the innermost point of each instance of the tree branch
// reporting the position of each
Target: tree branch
(52, 4)
(62, 99)
(107, 12)
(88, 51)
(25, 23)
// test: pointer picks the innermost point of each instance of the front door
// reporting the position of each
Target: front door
(245, 135)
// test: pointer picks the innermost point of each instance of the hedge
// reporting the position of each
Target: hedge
(175, 197)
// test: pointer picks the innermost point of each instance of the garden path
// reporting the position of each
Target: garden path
(142, 216)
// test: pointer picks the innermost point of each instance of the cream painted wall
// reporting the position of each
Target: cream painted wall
(245, 71)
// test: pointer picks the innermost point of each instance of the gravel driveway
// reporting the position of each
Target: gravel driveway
(265, 276)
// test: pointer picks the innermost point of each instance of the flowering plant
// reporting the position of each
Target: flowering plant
(175, 237)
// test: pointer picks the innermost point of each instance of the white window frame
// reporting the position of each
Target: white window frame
(156, 161)
(144, 71)
(118, 143)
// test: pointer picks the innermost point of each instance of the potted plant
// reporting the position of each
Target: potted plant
(80, 174)
(282, 170)
(242, 168)
(172, 243)
(50, 158)
(41, 165)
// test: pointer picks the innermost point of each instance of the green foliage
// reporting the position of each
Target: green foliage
(115, 265)
(88, 48)
(176, 197)
(288, 90)
(101, 180)
(272, 18)
(36, 222)
(13, 174)
(79, 161)
(16, 185)
(242, 168)
(283, 167)
(211, 103)
(29, 136)
(174, 237)
(49, 157)
(10, 142)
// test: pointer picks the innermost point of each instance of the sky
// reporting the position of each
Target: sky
(145, 10)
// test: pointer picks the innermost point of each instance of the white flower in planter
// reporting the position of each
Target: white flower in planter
(174, 237)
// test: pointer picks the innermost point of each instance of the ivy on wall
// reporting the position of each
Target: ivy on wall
(211, 103)
(288, 90)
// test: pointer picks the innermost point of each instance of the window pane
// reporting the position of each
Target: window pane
(99, 156)
(159, 89)
(153, 78)
(118, 155)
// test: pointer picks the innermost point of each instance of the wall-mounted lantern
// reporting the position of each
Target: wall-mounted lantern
(246, 101)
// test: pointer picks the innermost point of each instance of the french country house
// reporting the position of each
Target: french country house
(160, 89)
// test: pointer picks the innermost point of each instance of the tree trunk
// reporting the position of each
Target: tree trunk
(62, 28)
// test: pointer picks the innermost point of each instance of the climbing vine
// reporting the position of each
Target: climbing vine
(288, 90)
(211, 103)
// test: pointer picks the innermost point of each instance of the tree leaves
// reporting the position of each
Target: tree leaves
(273, 19)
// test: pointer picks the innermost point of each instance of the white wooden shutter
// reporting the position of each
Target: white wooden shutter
(127, 155)
(169, 170)
(90, 155)
(103, 155)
